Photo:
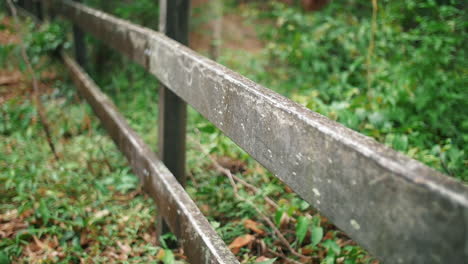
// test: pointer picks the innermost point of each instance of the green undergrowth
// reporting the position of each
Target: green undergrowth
(405, 88)
(85, 207)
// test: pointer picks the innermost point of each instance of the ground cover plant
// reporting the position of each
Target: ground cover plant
(399, 77)
(82, 206)
(87, 206)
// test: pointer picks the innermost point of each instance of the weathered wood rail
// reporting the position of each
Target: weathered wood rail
(399, 209)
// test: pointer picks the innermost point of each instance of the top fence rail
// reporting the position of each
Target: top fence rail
(399, 209)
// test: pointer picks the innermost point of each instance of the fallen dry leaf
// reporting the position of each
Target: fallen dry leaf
(126, 249)
(254, 226)
(262, 258)
(40, 244)
(205, 209)
(307, 250)
(240, 242)
(101, 214)
(328, 235)
(9, 215)
(8, 78)
(84, 239)
(284, 221)
(233, 165)
(179, 253)
(149, 238)
(9, 229)
(160, 254)
(53, 243)
(27, 213)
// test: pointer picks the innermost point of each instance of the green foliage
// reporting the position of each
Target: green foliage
(270, 261)
(49, 38)
(302, 227)
(79, 197)
(407, 88)
(5, 51)
(316, 235)
(168, 257)
(141, 12)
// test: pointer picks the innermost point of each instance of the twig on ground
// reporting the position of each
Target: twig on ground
(276, 230)
(283, 257)
(194, 181)
(106, 161)
(256, 190)
(35, 83)
(228, 173)
(225, 172)
(249, 186)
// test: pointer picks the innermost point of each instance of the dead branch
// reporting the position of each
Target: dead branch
(228, 173)
(35, 95)
(288, 260)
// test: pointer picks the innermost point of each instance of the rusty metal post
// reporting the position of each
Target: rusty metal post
(79, 44)
(173, 21)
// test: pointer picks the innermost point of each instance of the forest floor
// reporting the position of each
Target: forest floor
(85, 206)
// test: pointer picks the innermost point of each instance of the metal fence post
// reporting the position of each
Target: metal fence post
(79, 44)
(38, 9)
(173, 21)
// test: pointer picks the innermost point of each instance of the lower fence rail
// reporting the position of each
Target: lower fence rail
(200, 242)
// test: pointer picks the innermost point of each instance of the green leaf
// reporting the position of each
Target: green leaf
(278, 216)
(332, 246)
(377, 119)
(270, 261)
(163, 242)
(44, 211)
(304, 205)
(330, 259)
(400, 142)
(4, 258)
(168, 257)
(317, 235)
(301, 228)
(165, 238)
(215, 224)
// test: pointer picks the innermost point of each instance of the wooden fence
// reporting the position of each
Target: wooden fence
(399, 209)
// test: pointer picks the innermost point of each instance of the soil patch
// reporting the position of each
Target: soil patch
(236, 33)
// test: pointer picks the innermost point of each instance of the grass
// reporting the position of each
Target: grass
(85, 207)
